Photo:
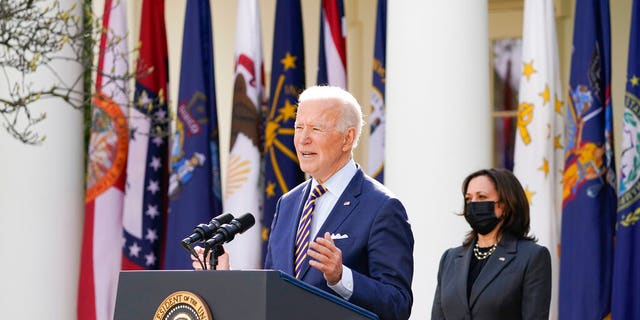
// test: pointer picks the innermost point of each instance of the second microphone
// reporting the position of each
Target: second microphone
(227, 232)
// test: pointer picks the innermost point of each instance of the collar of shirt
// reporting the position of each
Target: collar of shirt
(335, 185)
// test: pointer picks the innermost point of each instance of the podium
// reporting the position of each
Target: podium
(246, 295)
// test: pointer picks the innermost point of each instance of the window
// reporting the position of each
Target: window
(506, 77)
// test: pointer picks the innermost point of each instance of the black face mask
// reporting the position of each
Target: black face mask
(481, 216)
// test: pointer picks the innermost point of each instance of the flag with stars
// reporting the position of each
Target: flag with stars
(589, 181)
(377, 120)
(282, 171)
(244, 185)
(147, 164)
(539, 153)
(332, 59)
(194, 181)
(106, 167)
(625, 296)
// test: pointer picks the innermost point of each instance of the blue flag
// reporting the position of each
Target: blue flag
(626, 280)
(282, 171)
(589, 196)
(377, 118)
(194, 182)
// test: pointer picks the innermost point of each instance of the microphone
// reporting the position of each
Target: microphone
(204, 231)
(227, 232)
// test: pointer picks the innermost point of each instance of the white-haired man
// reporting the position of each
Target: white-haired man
(340, 231)
(363, 247)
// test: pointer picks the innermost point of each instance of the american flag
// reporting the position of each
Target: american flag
(332, 61)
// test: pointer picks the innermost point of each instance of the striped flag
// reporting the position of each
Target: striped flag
(194, 182)
(377, 121)
(332, 59)
(539, 153)
(589, 196)
(106, 167)
(147, 166)
(243, 192)
(625, 300)
(282, 170)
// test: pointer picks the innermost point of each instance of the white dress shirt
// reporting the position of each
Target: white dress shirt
(336, 184)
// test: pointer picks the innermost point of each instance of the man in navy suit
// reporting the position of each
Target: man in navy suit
(361, 245)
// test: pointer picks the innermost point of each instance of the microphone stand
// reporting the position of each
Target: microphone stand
(216, 251)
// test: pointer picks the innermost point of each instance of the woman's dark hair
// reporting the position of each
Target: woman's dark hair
(515, 217)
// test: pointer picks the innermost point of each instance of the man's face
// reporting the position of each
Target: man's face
(321, 148)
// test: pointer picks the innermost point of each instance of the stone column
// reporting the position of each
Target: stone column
(42, 205)
(438, 122)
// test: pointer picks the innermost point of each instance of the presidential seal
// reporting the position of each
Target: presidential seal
(183, 305)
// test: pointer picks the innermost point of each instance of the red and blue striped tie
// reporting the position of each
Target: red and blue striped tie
(304, 228)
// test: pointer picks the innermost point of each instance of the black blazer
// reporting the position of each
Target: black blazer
(514, 284)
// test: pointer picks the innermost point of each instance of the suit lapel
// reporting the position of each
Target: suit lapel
(347, 202)
(504, 254)
(461, 266)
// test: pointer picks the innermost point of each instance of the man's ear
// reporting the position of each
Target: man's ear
(349, 138)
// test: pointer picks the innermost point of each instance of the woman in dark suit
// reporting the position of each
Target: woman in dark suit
(499, 272)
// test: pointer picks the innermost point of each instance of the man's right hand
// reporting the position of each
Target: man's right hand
(223, 260)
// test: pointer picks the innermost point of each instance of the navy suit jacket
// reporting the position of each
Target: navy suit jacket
(514, 284)
(379, 247)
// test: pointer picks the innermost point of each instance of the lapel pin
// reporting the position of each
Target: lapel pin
(501, 258)
(346, 203)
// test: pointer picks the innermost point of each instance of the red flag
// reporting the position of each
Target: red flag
(101, 243)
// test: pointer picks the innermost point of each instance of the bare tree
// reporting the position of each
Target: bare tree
(34, 36)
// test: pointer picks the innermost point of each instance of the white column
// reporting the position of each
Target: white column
(41, 209)
(438, 122)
